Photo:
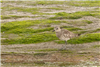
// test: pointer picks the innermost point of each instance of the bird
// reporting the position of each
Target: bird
(64, 34)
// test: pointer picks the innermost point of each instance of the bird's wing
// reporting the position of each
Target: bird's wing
(67, 33)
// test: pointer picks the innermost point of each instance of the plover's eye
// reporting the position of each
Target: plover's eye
(56, 28)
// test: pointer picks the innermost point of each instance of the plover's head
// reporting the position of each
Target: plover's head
(57, 29)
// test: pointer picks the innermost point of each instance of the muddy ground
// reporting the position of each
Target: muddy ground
(74, 54)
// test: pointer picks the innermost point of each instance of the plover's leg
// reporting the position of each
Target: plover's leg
(63, 46)
(66, 42)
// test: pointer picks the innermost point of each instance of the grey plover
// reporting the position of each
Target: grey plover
(64, 34)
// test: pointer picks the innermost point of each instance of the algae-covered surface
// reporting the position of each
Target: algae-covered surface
(27, 39)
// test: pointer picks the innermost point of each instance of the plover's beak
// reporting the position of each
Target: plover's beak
(53, 30)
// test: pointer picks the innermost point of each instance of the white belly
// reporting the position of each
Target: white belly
(63, 38)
